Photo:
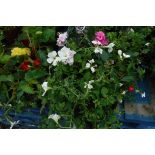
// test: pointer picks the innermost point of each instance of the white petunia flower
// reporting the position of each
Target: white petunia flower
(110, 47)
(89, 84)
(132, 30)
(92, 69)
(143, 95)
(66, 55)
(126, 55)
(45, 87)
(120, 53)
(120, 84)
(51, 56)
(55, 117)
(124, 92)
(87, 65)
(91, 61)
(91, 81)
(56, 60)
(147, 44)
(98, 50)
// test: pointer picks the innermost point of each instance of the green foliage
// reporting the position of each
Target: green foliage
(68, 94)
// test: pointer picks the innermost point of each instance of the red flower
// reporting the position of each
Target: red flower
(36, 62)
(131, 88)
(25, 66)
(25, 42)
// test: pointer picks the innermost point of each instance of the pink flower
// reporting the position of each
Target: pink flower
(62, 39)
(100, 38)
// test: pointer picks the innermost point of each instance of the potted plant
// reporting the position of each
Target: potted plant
(76, 78)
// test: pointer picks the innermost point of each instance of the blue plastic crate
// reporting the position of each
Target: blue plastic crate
(30, 118)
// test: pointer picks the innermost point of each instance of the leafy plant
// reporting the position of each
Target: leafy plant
(79, 76)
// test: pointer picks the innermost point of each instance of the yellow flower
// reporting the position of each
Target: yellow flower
(20, 51)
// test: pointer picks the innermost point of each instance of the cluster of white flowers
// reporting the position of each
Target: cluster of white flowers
(89, 65)
(64, 55)
(62, 39)
(89, 84)
(121, 54)
(99, 50)
(55, 117)
(45, 87)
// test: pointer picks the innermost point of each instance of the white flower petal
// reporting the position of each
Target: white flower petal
(126, 55)
(110, 49)
(120, 52)
(91, 61)
(98, 50)
(147, 44)
(52, 54)
(143, 95)
(50, 60)
(55, 117)
(87, 65)
(92, 69)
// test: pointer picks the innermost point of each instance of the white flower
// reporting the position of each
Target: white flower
(91, 81)
(51, 56)
(147, 44)
(95, 42)
(62, 39)
(110, 47)
(66, 55)
(45, 87)
(124, 92)
(13, 124)
(98, 50)
(56, 60)
(55, 117)
(143, 95)
(120, 84)
(91, 61)
(132, 30)
(89, 84)
(87, 65)
(92, 69)
(126, 56)
(120, 53)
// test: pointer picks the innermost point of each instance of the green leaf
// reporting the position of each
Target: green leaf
(128, 78)
(48, 35)
(26, 88)
(4, 59)
(6, 78)
(104, 91)
(105, 55)
(43, 57)
(35, 74)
